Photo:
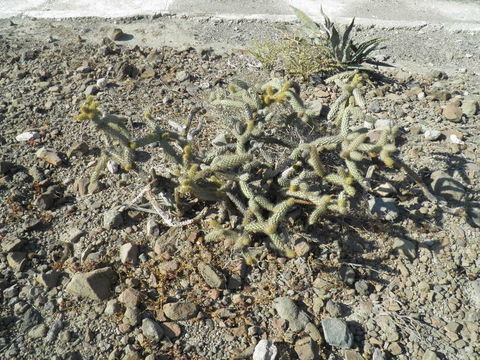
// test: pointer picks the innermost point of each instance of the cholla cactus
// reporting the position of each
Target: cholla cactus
(262, 189)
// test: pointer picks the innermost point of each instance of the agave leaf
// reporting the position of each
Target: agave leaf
(305, 20)
(347, 52)
(359, 67)
(346, 34)
(364, 49)
(328, 24)
(335, 44)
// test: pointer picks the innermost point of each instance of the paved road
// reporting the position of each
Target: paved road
(394, 12)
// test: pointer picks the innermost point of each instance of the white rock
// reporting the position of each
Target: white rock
(454, 139)
(27, 136)
(432, 135)
(129, 253)
(265, 350)
(384, 124)
(102, 83)
(112, 166)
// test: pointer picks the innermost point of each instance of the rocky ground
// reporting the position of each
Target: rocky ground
(82, 279)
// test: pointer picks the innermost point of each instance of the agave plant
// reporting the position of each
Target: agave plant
(340, 43)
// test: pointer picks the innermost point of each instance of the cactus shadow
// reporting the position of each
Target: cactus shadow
(453, 163)
(142, 156)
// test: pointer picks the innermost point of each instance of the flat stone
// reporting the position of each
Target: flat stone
(49, 279)
(430, 355)
(38, 331)
(131, 316)
(473, 292)
(45, 201)
(384, 208)
(453, 327)
(152, 330)
(112, 219)
(113, 306)
(27, 136)
(171, 329)
(313, 332)
(48, 155)
(265, 350)
(72, 235)
(405, 247)
(470, 107)
(129, 297)
(17, 260)
(353, 355)
(337, 333)
(148, 73)
(95, 284)
(439, 95)
(129, 254)
(437, 75)
(305, 349)
(395, 349)
(117, 34)
(384, 124)
(453, 112)
(302, 248)
(432, 135)
(180, 310)
(288, 310)
(333, 308)
(182, 76)
(12, 244)
(212, 277)
(30, 318)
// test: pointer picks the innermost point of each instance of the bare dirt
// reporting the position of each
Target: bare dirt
(406, 283)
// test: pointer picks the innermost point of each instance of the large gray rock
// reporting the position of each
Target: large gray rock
(288, 310)
(95, 284)
(180, 310)
(337, 333)
(151, 330)
(112, 219)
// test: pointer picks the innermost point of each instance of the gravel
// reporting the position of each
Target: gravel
(401, 280)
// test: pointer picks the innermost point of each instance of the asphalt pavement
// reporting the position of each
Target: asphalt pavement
(462, 14)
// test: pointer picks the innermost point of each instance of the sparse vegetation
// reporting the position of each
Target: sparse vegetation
(244, 176)
(323, 49)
